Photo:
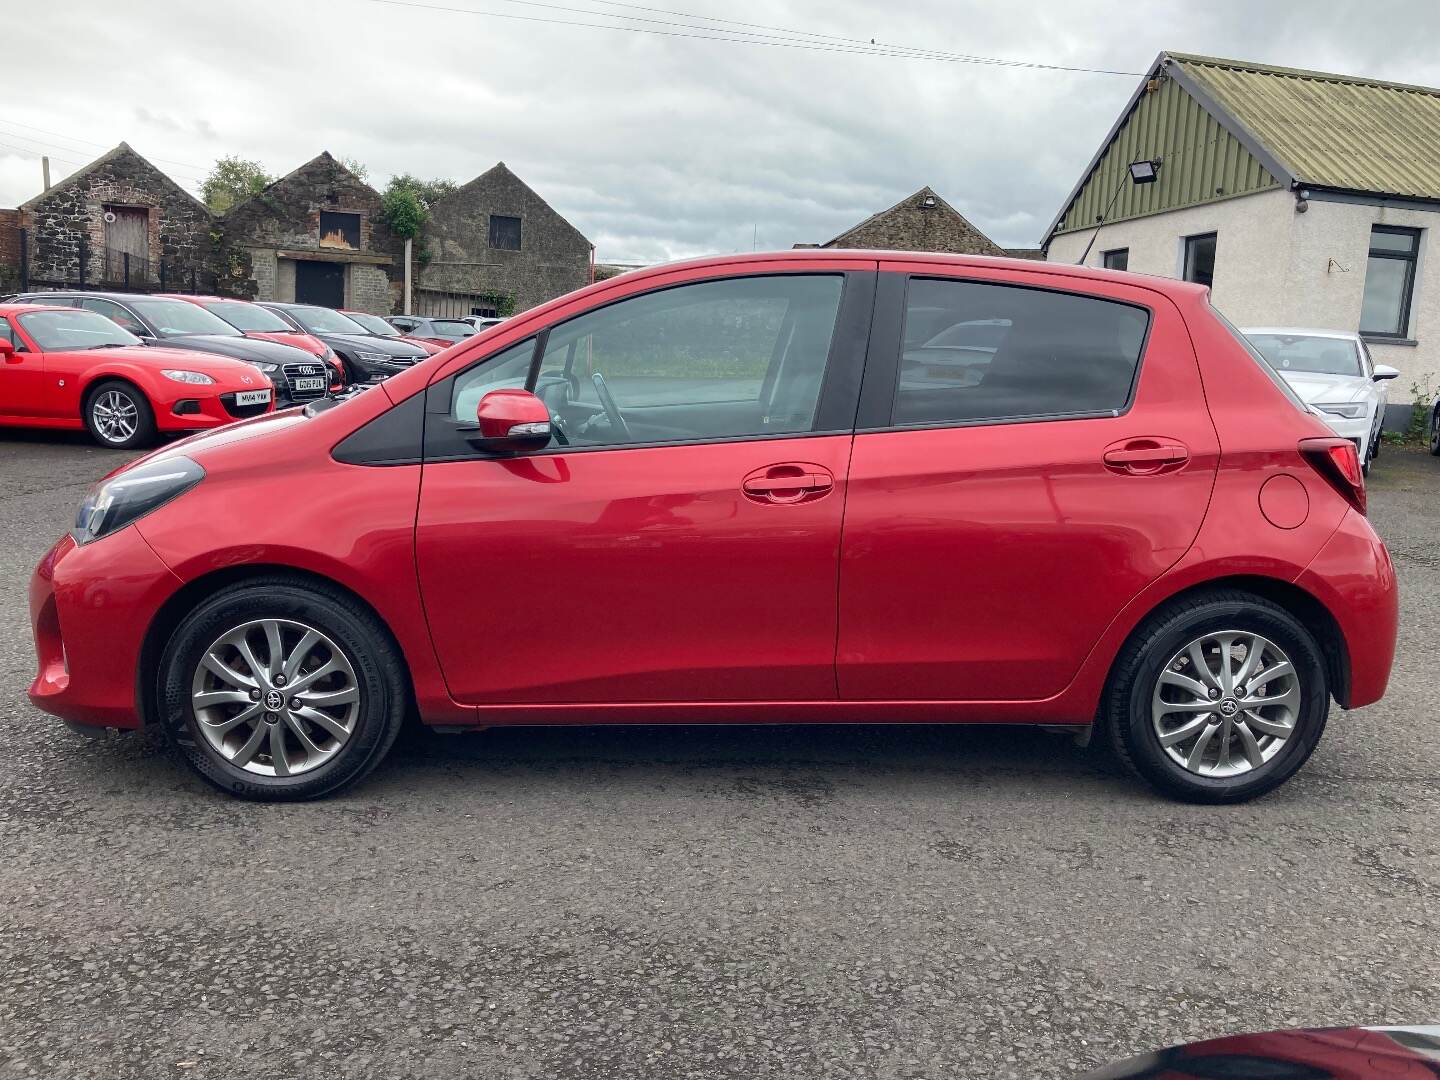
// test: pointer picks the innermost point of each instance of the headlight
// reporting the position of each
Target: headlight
(268, 369)
(375, 357)
(1351, 410)
(133, 494)
(199, 378)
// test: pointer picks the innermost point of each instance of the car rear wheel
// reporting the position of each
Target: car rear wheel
(279, 690)
(119, 416)
(1435, 431)
(1218, 698)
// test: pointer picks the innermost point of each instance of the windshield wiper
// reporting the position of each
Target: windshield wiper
(110, 345)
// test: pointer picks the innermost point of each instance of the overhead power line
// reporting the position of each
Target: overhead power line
(793, 39)
(201, 170)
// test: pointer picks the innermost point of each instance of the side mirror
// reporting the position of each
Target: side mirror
(1385, 371)
(511, 421)
(7, 350)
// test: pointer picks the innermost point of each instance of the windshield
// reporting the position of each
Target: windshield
(454, 328)
(251, 318)
(53, 331)
(374, 324)
(172, 318)
(319, 320)
(1308, 352)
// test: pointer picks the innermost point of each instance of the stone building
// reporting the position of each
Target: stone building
(316, 236)
(495, 247)
(117, 220)
(920, 222)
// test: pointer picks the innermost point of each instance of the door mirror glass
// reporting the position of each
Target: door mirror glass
(1385, 371)
(511, 421)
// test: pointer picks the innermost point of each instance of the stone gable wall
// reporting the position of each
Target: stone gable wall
(913, 227)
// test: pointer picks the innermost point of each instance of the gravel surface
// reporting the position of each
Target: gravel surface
(701, 902)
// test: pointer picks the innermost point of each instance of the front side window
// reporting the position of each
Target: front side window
(504, 371)
(1200, 259)
(1118, 259)
(115, 313)
(505, 232)
(62, 331)
(976, 351)
(7, 334)
(1389, 281)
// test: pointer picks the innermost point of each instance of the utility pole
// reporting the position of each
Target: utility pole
(45, 173)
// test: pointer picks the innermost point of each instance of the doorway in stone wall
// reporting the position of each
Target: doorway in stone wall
(320, 283)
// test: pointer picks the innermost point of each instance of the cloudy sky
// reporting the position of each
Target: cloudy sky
(656, 144)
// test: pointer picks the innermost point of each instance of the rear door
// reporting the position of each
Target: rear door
(1028, 457)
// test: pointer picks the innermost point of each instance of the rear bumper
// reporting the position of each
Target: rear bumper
(1355, 579)
(89, 607)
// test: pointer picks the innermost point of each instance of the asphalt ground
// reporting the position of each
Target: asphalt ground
(701, 902)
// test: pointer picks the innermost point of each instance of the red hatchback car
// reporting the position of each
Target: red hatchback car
(801, 487)
(69, 369)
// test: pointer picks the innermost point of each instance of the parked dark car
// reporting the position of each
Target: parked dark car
(442, 332)
(159, 320)
(367, 358)
(374, 324)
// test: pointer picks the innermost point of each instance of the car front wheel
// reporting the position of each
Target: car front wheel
(119, 416)
(1218, 698)
(277, 689)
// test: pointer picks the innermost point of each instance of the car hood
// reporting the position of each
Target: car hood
(375, 343)
(312, 345)
(242, 348)
(159, 357)
(1357, 1053)
(1313, 386)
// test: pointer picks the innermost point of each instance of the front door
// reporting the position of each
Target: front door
(678, 541)
(22, 377)
(1014, 483)
(321, 283)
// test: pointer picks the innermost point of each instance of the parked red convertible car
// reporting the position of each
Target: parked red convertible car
(801, 487)
(61, 367)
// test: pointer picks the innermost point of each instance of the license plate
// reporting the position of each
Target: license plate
(309, 384)
(252, 397)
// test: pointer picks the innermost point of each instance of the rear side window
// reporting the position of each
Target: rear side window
(977, 351)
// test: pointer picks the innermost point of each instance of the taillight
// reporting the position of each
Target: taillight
(1338, 462)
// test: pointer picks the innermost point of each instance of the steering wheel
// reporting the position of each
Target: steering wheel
(612, 411)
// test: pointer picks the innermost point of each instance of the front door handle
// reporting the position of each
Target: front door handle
(792, 482)
(1145, 457)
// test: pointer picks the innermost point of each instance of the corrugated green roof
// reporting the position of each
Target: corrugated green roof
(1328, 130)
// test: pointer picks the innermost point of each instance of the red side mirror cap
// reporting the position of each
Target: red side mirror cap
(511, 420)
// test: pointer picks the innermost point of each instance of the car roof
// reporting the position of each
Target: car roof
(1301, 331)
(28, 306)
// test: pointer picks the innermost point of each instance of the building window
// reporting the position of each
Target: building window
(1200, 259)
(1118, 259)
(339, 230)
(505, 232)
(1389, 281)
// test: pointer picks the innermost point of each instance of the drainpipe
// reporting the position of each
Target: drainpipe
(409, 244)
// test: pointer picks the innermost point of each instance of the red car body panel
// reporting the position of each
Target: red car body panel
(48, 389)
(642, 583)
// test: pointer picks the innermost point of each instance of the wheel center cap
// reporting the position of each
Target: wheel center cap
(1228, 707)
(274, 701)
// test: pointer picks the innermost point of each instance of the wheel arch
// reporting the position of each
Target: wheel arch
(1308, 609)
(92, 379)
(185, 599)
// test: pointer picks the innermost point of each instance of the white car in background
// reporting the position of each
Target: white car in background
(1333, 373)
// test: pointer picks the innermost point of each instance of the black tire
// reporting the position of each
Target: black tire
(144, 433)
(1127, 704)
(1435, 431)
(375, 658)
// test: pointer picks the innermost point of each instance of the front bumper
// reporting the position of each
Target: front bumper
(1355, 580)
(194, 412)
(89, 610)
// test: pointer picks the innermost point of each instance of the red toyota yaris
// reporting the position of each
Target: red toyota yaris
(801, 487)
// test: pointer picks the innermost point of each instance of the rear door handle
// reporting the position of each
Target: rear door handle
(789, 483)
(1144, 456)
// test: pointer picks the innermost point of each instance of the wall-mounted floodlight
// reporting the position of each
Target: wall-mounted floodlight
(1140, 172)
(1145, 172)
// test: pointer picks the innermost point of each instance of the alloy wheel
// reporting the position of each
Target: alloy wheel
(116, 416)
(275, 697)
(1226, 703)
